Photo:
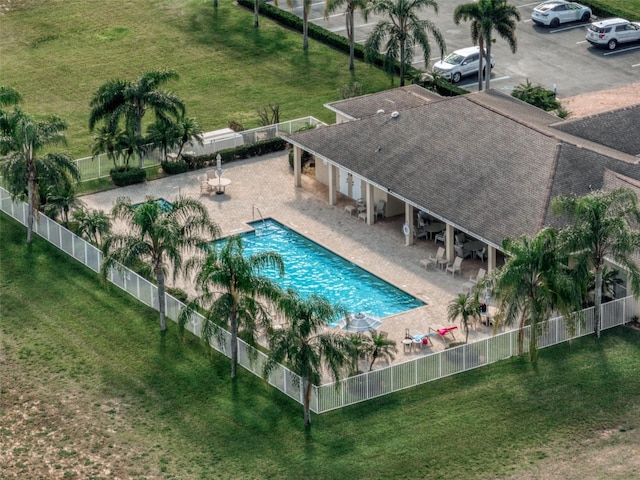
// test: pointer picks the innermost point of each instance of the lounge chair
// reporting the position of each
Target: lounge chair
(425, 262)
(444, 332)
(454, 267)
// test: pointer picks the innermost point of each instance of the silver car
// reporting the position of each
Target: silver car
(460, 63)
(555, 12)
(613, 31)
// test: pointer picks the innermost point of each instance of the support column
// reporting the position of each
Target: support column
(297, 166)
(491, 259)
(331, 171)
(448, 244)
(369, 200)
(408, 218)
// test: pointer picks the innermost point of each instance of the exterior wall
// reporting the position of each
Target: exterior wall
(322, 172)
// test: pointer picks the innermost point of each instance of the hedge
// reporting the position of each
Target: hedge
(172, 168)
(124, 176)
(237, 153)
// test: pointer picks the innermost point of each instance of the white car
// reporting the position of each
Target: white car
(555, 12)
(613, 31)
(460, 63)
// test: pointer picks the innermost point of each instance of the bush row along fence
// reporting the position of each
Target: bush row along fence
(351, 390)
(99, 166)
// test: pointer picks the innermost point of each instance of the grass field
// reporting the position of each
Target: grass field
(91, 390)
(58, 52)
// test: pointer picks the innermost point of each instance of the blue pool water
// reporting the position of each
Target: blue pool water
(310, 268)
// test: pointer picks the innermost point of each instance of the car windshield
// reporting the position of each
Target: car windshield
(454, 59)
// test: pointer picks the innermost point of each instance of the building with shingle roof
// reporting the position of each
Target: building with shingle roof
(484, 163)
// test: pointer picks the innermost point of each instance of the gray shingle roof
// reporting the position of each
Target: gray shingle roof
(388, 100)
(619, 129)
(480, 161)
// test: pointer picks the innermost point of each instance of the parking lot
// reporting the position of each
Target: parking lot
(552, 57)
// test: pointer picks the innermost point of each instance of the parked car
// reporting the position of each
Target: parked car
(555, 12)
(612, 31)
(460, 63)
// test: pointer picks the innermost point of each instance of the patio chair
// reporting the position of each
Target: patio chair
(379, 209)
(425, 262)
(454, 267)
(211, 174)
(461, 251)
(482, 253)
(205, 188)
(474, 279)
(440, 237)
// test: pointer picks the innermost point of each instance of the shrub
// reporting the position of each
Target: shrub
(123, 176)
(537, 96)
(178, 294)
(235, 126)
(172, 168)
(262, 147)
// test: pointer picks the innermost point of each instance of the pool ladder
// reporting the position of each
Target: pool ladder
(253, 214)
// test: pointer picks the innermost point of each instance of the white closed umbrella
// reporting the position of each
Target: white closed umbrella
(360, 322)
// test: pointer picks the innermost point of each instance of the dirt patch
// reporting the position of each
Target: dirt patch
(602, 101)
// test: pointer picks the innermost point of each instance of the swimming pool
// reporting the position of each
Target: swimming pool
(311, 268)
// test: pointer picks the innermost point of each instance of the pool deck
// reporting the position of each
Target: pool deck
(264, 187)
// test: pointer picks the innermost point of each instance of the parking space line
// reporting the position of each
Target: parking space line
(636, 65)
(572, 27)
(317, 19)
(621, 50)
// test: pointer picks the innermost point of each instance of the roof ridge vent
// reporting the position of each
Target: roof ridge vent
(380, 111)
(395, 114)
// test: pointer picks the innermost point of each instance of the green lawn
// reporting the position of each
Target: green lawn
(154, 406)
(58, 52)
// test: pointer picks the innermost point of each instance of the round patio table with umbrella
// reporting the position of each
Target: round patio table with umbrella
(360, 322)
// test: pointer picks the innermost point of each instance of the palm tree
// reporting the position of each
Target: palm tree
(532, 285)
(118, 100)
(92, 224)
(351, 7)
(359, 346)
(163, 134)
(500, 16)
(61, 199)
(473, 12)
(156, 235)
(381, 347)
(235, 293)
(402, 30)
(256, 11)
(188, 131)
(22, 139)
(600, 227)
(305, 346)
(467, 307)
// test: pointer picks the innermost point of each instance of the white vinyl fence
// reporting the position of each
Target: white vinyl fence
(351, 390)
(100, 165)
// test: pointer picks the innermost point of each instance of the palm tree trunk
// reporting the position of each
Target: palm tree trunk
(256, 10)
(306, 386)
(598, 302)
(30, 208)
(481, 45)
(521, 334)
(402, 54)
(352, 39)
(305, 25)
(138, 147)
(161, 299)
(233, 323)
(488, 76)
